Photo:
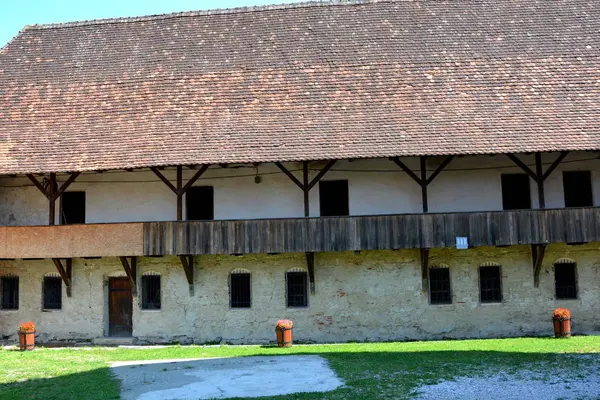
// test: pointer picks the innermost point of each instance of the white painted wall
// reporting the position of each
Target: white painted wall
(377, 186)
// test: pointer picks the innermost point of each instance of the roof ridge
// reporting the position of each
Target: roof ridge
(216, 11)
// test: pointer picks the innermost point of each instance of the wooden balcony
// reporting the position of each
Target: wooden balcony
(498, 228)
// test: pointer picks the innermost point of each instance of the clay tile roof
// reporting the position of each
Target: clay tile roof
(302, 82)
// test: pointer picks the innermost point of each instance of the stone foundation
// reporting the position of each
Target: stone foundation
(371, 296)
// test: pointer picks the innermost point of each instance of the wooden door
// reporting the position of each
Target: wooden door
(120, 307)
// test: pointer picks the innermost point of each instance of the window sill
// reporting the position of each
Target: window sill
(150, 311)
(10, 310)
(51, 310)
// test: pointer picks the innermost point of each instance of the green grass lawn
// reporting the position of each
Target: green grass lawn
(370, 370)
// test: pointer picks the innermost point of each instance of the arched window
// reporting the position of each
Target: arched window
(565, 278)
(151, 298)
(296, 287)
(439, 284)
(9, 284)
(52, 291)
(239, 288)
(490, 283)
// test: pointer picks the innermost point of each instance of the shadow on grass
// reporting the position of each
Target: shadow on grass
(367, 375)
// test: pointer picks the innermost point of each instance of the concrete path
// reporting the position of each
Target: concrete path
(220, 378)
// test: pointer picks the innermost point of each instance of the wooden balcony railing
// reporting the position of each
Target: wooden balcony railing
(498, 228)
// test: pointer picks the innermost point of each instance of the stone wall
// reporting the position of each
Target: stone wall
(368, 296)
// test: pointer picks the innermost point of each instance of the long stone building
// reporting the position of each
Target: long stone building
(372, 170)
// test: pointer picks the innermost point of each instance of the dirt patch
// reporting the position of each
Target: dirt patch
(224, 377)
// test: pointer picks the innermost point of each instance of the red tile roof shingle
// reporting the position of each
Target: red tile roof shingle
(302, 82)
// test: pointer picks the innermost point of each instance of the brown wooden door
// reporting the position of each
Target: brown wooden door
(120, 307)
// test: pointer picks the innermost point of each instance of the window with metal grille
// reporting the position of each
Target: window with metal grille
(577, 186)
(439, 286)
(565, 278)
(297, 289)
(490, 287)
(151, 292)
(516, 193)
(10, 292)
(239, 290)
(52, 293)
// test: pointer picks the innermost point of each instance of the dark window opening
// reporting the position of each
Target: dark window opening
(490, 284)
(52, 293)
(515, 192)
(151, 292)
(73, 208)
(239, 290)
(297, 289)
(333, 198)
(565, 277)
(200, 203)
(10, 293)
(439, 286)
(578, 188)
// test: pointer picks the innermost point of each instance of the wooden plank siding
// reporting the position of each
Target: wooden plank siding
(497, 228)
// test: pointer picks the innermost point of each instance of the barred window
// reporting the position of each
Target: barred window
(151, 292)
(52, 289)
(297, 289)
(490, 284)
(10, 292)
(565, 278)
(239, 290)
(439, 285)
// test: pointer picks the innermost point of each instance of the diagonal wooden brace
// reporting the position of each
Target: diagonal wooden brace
(537, 252)
(188, 266)
(65, 273)
(310, 263)
(131, 272)
(425, 269)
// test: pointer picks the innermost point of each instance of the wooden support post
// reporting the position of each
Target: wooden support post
(423, 181)
(424, 184)
(179, 193)
(540, 181)
(131, 272)
(305, 188)
(179, 189)
(50, 192)
(188, 266)
(65, 274)
(52, 202)
(537, 253)
(310, 263)
(425, 270)
(539, 176)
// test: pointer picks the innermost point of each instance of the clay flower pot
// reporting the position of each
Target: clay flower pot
(26, 340)
(561, 320)
(283, 329)
(27, 336)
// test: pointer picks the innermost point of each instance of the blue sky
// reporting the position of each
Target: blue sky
(15, 16)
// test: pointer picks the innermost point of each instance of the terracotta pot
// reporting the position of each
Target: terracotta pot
(284, 336)
(27, 340)
(562, 327)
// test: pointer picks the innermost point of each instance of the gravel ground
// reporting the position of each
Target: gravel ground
(551, 384)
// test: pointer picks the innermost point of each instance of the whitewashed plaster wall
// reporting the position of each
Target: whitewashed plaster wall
(471, 183)
(369, 296)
